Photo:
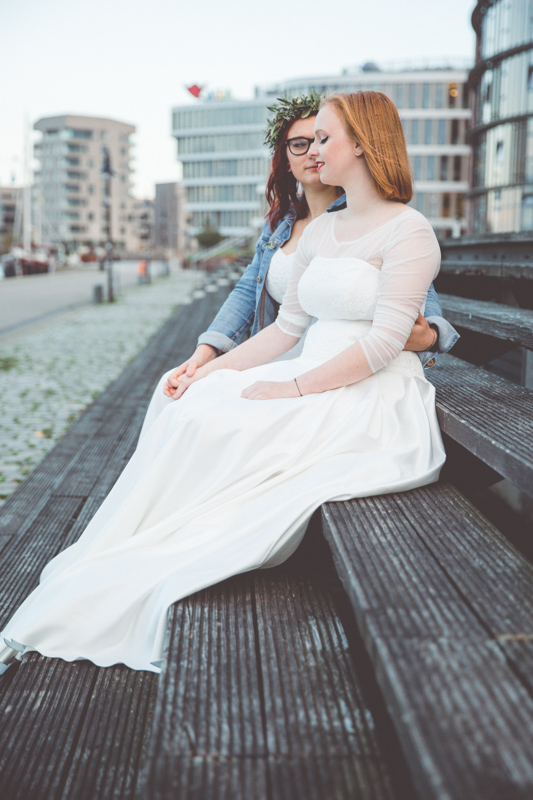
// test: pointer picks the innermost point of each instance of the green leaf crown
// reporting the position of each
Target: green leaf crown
(286, 111)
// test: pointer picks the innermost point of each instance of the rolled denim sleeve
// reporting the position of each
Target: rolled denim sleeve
(236, 316)
(447, 334)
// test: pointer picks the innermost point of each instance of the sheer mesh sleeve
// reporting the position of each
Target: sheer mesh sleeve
(411, 260)
(292, 319)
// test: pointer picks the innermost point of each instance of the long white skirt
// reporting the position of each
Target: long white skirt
(220, 485)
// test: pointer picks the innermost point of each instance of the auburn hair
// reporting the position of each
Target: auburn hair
(371, 119)
(282, 186)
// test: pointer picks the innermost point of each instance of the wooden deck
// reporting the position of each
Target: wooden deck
(262, 696)
(408, 677)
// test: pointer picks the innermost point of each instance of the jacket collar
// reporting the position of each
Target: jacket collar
(338, 204)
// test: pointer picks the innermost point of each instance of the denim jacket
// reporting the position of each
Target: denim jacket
(250, 308)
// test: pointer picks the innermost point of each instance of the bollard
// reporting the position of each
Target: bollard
(98, 293)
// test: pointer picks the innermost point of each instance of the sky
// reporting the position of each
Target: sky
(132, 60)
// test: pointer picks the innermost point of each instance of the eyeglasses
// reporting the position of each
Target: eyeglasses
(299, 145)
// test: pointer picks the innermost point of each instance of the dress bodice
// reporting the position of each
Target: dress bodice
(369, 290)
(278, 274)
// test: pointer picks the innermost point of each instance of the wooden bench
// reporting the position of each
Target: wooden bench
(261, 695)
(412, 682)
(443, 601)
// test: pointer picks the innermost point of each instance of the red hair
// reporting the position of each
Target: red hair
(372, 121)
(281, 191)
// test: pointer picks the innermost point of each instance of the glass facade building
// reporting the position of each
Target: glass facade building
(501, 83)
(225, 164)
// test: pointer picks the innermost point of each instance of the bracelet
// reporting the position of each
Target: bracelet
(296, 382)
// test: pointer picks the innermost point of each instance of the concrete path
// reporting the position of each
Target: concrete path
(33, 298)
(52, 370)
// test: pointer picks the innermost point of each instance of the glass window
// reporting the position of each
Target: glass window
(415, 137)
(444, 168)
(442, 131)
(446, 205)
(428, 129)
(412, 95)
(457, 162)
(426, 95)
(431, 168)
(439, 95)
(400, 95)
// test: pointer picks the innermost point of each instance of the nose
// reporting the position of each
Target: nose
(313, 150)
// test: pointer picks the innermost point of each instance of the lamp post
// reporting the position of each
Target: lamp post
(107, 174)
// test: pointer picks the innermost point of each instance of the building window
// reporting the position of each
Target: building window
(441, 132)
(415, 137)
(425, 95)
(431, 168)
(455, 131)
(457, 161)
(428, 128)
(412, 95)
(446, 205)
(444, 168)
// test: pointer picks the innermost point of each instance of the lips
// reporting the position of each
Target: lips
(319, 165)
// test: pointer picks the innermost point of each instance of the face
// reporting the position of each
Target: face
(303, 167)
(333, 150)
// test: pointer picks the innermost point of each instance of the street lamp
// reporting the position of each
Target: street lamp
(108, 173)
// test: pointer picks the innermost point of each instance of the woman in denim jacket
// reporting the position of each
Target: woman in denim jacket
(251, 307)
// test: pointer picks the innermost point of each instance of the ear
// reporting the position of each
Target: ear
(358, 150)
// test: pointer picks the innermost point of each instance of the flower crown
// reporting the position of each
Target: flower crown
(286, 111)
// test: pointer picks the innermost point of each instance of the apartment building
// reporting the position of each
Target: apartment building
(76, 202)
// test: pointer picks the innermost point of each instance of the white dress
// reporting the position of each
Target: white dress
(220, 485)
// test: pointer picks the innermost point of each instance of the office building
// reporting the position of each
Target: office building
(70, 191)
(501, 198)
(225, 163)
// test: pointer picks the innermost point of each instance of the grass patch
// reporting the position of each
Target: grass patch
(8, 362)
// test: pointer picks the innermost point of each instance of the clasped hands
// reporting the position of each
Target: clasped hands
(195, 368)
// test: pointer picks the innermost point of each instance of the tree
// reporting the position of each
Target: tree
(209, 236)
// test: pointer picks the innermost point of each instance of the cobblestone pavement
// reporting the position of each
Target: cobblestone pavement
(50, 373)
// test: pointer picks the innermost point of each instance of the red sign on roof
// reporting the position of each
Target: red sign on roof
(194, 90)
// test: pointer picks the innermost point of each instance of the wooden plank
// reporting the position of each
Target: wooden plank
(40, 713)
(310, 733)
(320, 730)
(492, 319)
(462, 711)
(489, 416)
(208, 731)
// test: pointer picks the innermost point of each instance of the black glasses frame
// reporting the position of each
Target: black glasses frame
(295, 139)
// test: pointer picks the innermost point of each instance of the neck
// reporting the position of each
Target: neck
(361, 195)
(318, 199)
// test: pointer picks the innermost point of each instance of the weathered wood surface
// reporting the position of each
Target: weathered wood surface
(445, 607)
(260, 699)
(259, 696)
(491, 319)
(74, 730)
(489, 416)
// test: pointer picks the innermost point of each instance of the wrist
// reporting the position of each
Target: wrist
(205, 353)
(434, 346)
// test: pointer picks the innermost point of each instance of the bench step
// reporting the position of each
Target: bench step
(258, 673)
(488, 416)
(491, 319)
(445, 607)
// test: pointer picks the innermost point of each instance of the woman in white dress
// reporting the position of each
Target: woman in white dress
(233, 460)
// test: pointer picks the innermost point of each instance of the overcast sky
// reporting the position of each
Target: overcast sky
(131, 60)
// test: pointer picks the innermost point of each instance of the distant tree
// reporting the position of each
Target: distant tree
(209, 236)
